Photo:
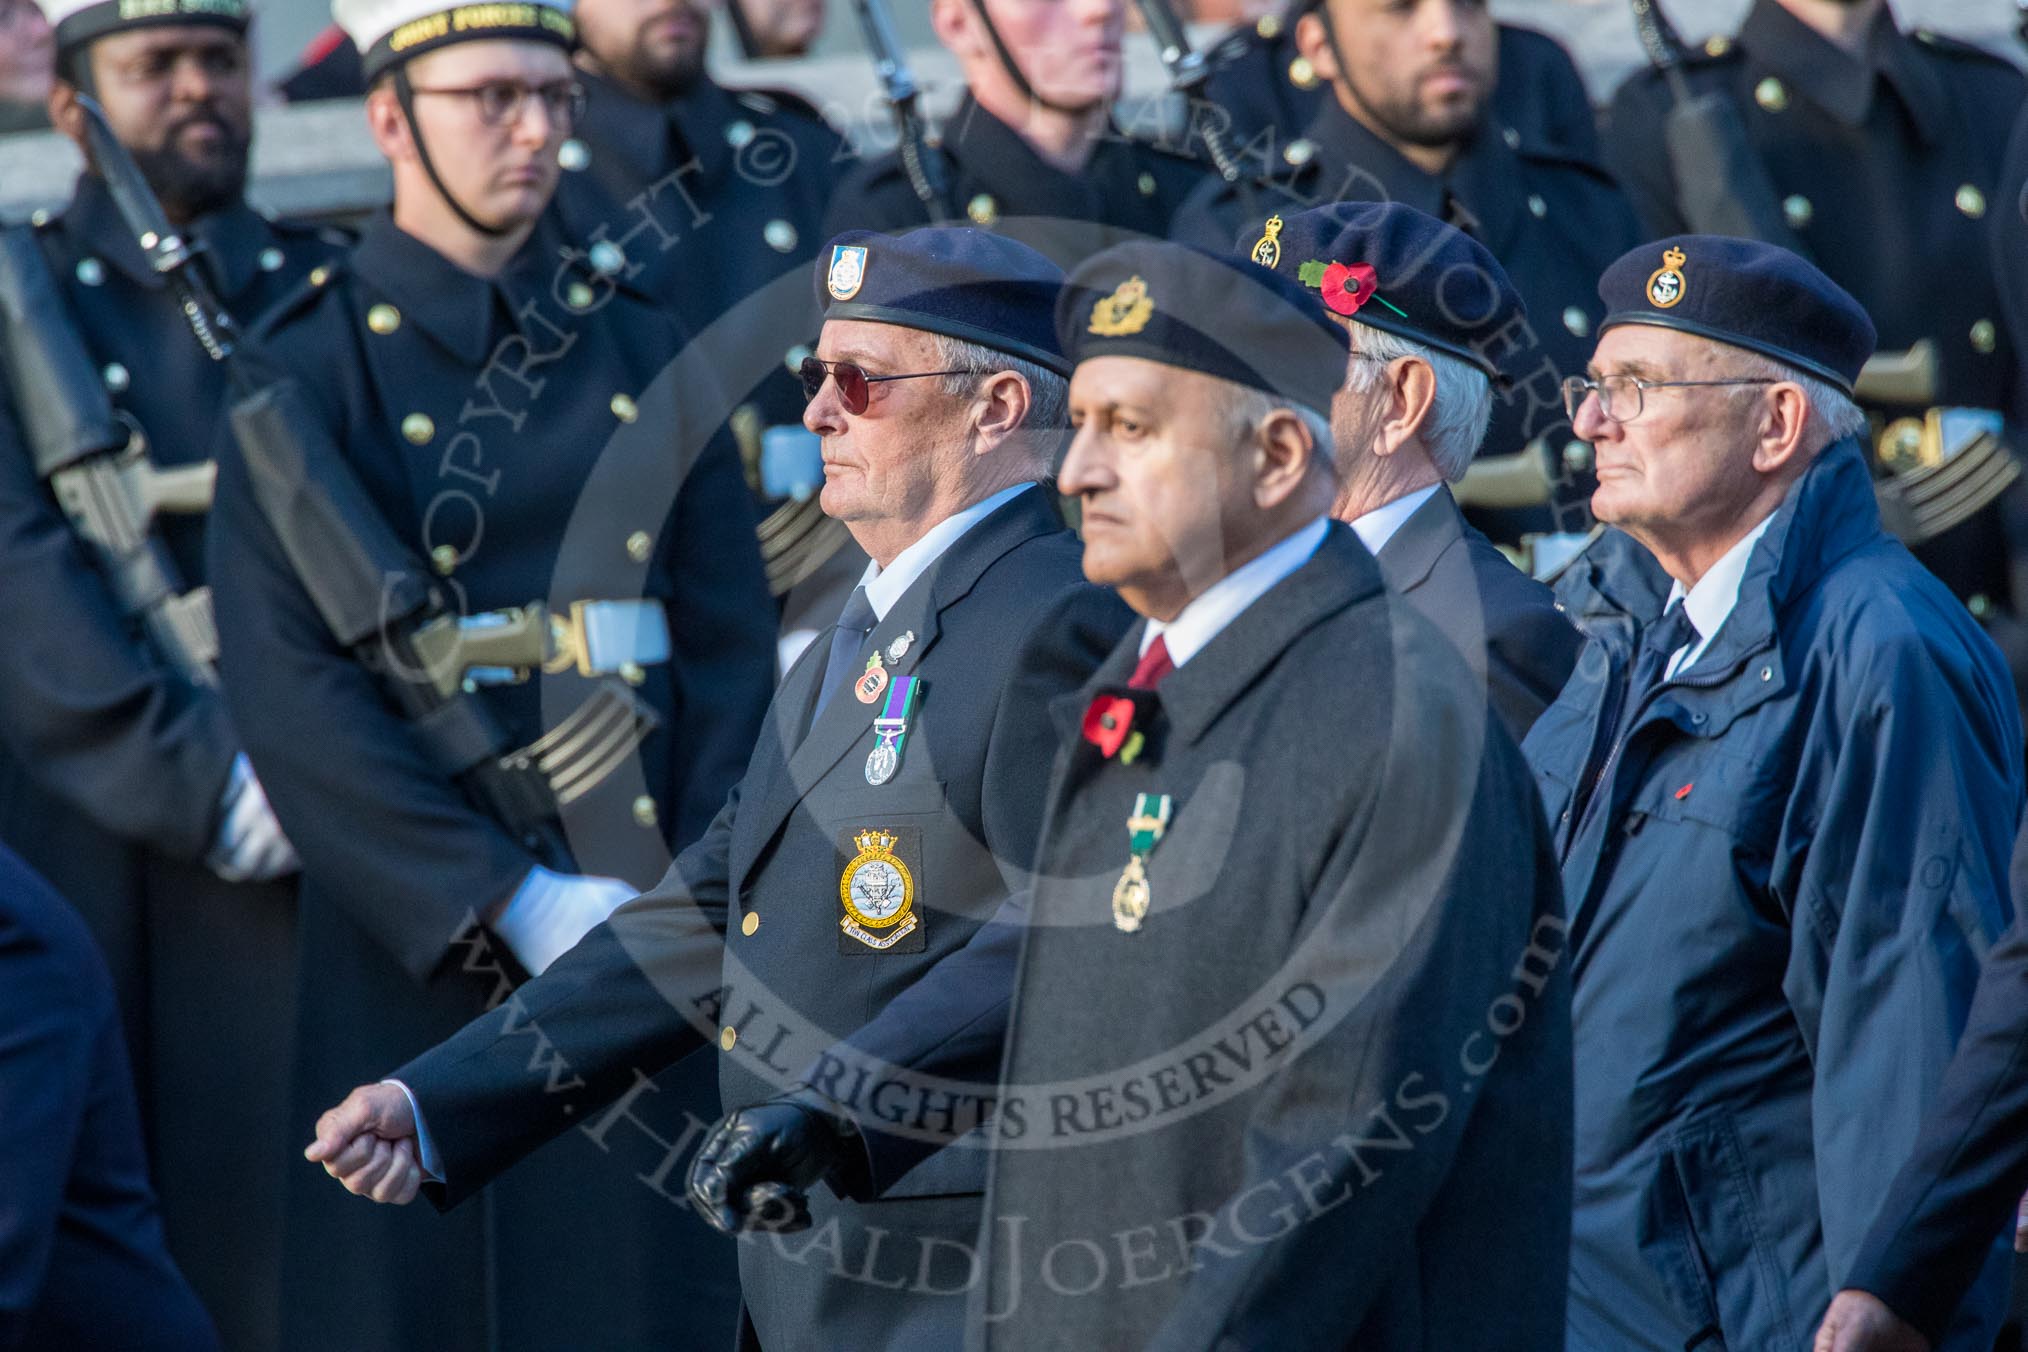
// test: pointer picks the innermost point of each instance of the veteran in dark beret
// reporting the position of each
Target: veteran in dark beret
(122, 777)
(1286, 1061)
(1784, 783)
(1417, 399)
(1409, 116)
(894, 798)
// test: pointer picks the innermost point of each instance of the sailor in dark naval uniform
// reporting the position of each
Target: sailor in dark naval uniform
(1271, 91)
(1883, 152)
(1032, 148)
(510, 415)
(711, 192)
(1411, 120)
(121, 777)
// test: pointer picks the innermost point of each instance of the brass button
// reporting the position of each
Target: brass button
(793, 358)
(1771, 94)
(624, 408)
(383, 319)
(749, 923)
(1300, 151)
(90, 271)
(418, 428)
(1577, 456)
(1537, 207)
(632, 673)
(982, 209)
(444, 558)
(578, 296)
(1577, 321)
(1146, 183)
(639, 545)
(1980, 604)
(644, 811)
(606, 257)
(1985, 337)
(116, 377)
(319, 275)
(1971, 201)
(271, 260)
(1268, 26)
(780, 235)
(39, 217)
(726, 1037)
(1798, 211)
(573, 154)
(1511, 137)
(739, 134)
(1302, 74)
(1717, 45)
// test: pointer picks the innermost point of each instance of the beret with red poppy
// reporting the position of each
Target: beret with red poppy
(1201, 311)
(1393, 268)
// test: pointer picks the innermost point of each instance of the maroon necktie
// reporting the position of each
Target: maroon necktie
(1154, 665)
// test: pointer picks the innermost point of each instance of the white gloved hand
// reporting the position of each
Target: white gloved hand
(251, 846)
(551, 911)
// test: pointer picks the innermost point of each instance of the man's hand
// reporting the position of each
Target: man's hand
(1858, 1322)
(754, 1167)
(368, 1143)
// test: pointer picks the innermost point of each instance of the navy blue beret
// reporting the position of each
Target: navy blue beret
(1201, 311)
(1740, 291)
(1393, 268)
(966, 284)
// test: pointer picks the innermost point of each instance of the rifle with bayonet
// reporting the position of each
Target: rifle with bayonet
(928, 172)
(374, 595)
(95, 460)
(1724, 186)
(1187, 73)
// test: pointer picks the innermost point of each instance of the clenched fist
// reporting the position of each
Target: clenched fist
(368, 1143)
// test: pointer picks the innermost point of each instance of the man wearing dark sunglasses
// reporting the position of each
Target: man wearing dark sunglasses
(523, 422)
(893, 801)
(122, 778)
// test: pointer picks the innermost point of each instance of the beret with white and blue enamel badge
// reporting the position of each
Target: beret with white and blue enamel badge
(972, 285)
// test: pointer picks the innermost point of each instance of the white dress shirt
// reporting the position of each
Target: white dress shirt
(1222, 602)
(1710, 602)
(1378, 526)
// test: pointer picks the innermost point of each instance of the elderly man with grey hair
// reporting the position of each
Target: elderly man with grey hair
(1425, 304)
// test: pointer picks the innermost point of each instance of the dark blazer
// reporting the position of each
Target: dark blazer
(741, 943)
(1505, 624)
(551, 445)
(82, 1262)
(1280, 1113)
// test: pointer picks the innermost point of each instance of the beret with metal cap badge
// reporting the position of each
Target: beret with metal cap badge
(1200, 311)
(972, 285)
(1744, 293)
(1393, 268)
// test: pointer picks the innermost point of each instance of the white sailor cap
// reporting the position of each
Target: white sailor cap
(77, 22)
(389, 32)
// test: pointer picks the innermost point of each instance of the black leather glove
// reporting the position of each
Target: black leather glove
(754, 1168)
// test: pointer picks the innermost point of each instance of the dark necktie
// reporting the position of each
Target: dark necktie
(1153, 666)
(848, 638)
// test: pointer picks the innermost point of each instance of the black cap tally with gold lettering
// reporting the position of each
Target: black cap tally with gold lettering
(77, 22)
(389, 32)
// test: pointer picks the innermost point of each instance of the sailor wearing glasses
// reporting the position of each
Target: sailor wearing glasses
(1783, 784)
(892, 803)
(524, 424)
